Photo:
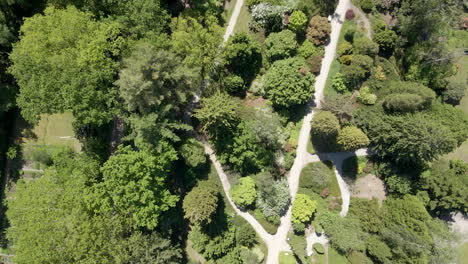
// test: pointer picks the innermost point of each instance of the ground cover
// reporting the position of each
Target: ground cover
(318, 176)
(335, 257)
(286, 258)
(243, 21)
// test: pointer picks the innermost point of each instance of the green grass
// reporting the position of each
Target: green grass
(463, 253)
(55, 129)
(310, 147)
(242, 24)
(324, 169)
(286, 258)
(228, 9)
(335, 257)
(334, 69)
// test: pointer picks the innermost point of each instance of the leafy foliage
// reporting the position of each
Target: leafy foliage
(79, 52)
(281, 45)
(325, 125)
(351, 138)
(297, 21)
(200, 204)
(345, 233)
(318, 30)
(302, 210)
(244, 194)
(243, 56)
(366, 97)
(288, 82)
(454, 93)
(273, 198)
(340, 105)
(193, 153)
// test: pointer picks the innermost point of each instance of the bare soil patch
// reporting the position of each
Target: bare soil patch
(369, 187)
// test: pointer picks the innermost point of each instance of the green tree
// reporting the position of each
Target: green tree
(454, 92)
(243, 56)
(345, 233)
(353, 75)
(365, 96)
(338, 83)
(303, 209)
(195, 43)
(218, 114)
(365, 46)
(288, 82)
(378, 249)
(200, 204)
(193, 153)
(79, 53)
(307, 49)
(134, 184)
(351, 138)
(297, 21)
(325, 125)
(340, 105)
(386, 39)
(451, 117)
(244, 194)
(318, 30)
(445, 184)
(281, 45)
(273, 197)
(151, 79)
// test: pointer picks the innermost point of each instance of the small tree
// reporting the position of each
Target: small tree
(318, 30)
(193, 153)
(307, 49)
(297, 21)
(243, 56)
(386, 39)
(200, 204)
(338, 83)
(288, 82)
(366, 97)
(281, 45)
(244, 194)
(302, 210)
(349, 14)
(325, 125)
(233, 84)
(365, 46)
(351, 138)
(367, 5)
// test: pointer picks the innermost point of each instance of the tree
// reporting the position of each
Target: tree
(407, 97)
(266, 126)
(445, 183)
(386, 39)
(281, 45)
(218, 114)
(243, 56)
(289, 83)
(366, 97)
(340, 105)
(50, 222)
(307, 49)
(193, 153)
(451, 117)
(325, 125)
(200, 204)
(79, 52)
(303, 209)
(244, 194)
(351, 138)
(345, 233)
(297, 21)
(365, 46)
(273, 197)
(338, 83)
(367, 5)
(353, 75)
(152, 79)
(233, 84)
(134, 184)
(195, 43)
(454, 93)
(378, 249)
(318, 30)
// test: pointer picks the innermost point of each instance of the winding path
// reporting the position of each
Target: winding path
(278, 242)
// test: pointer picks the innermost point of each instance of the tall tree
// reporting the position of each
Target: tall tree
(200, 204)
(79, 52)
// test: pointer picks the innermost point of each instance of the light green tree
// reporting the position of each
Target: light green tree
(244, 194)
(351, 137)
(303, 209)
(297, 21)
(65, 60)
(325, 125)
(281, 45)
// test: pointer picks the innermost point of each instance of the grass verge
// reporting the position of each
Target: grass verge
(286, 258)
(242, 24)
(269, 227)
(335, 257)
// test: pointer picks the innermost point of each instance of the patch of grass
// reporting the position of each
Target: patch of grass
(335, 257)
(310, 147)
(319, 259)
(334, 69)
(286, 258)
(355, 167)
(294, 134)
(298, 244)
(269, 226)
(228, 10)
(463, 253)
(242, 24)
(55, 129)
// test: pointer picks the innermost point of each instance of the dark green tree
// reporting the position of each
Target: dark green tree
(243, 56)
(281, 45)
(200, 204)
(325, 125)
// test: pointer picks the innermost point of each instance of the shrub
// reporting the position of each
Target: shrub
(242, 56)
(303, 209)
(244, 194)
(245, 235)
(297, 21)
(349, 33)
(338, 83)
(398, 184)
(315, 64)
(318, 30)
(367, 5)
(407, 97)
(351, 138)
(366, 97)
(307, 49)
(378, 73)
(325, 125)
(403, 103)
(281, 45)
(454, 93)
(346, 59)
(366, 47)
(233, 84)
(273, 198)
(193, 153)
(344, 48)
(298, 227)
(268, 16)
(353, 75)
(386, 40)
(288, 82)
(319, 248)
(11, 153)
(349, 14)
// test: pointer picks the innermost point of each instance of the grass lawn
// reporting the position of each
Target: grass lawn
(55, 129)
(334, 69)
(243, 20)
(269, 227)
(228, 9)
(335, 257)
(286, 258)
(463, 254)
(320, 172)
(310, 147)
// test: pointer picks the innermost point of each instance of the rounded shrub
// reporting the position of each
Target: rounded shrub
(349, 14)
(319, 248)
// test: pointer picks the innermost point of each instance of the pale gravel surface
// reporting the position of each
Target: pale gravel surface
(312, 238)
(233, 20)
